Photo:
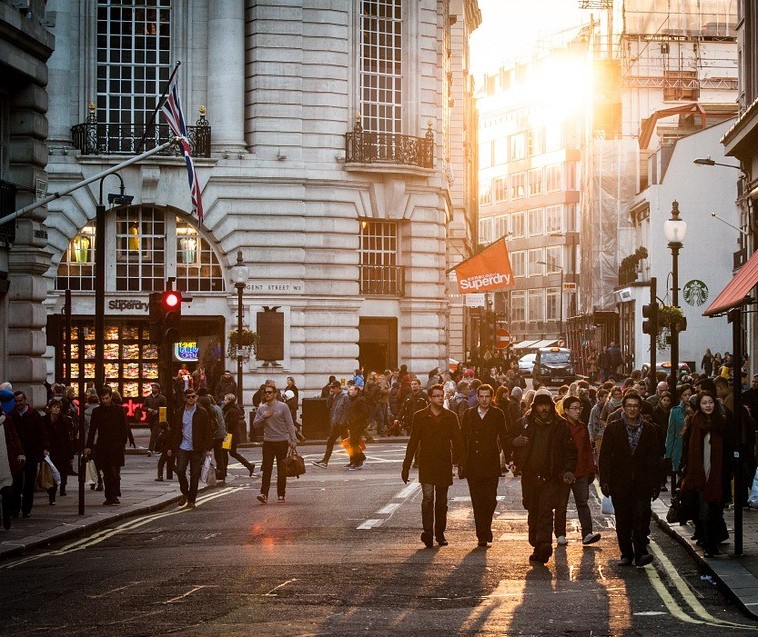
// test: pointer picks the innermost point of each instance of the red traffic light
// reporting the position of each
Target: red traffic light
(171, 300)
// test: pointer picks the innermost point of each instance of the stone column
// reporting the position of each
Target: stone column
(63, 68)
(226, 74)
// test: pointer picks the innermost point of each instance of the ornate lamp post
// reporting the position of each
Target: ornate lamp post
(674, 230)
(240, 273)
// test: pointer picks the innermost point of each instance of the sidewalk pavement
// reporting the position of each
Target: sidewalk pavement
(141, 494)
(737, 575)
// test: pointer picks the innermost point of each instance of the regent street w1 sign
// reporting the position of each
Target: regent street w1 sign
(489, 270)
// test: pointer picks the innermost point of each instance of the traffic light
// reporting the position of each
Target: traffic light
(171, 308)
(650, 312)
(155, 314)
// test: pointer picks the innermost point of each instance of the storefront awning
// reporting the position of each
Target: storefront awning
(545, 343)
(737, 290)
(524, 344)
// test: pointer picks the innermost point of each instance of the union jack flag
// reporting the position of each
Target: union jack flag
(172, 111)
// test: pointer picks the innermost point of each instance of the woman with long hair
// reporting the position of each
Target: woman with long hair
(707, 451)
(59, 427)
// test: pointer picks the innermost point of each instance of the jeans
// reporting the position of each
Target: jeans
(581, 491)
(434, 509)
(23, 487)
(222, 459)
(632, 523)
(338, 431)
(155, 429)
(382, 417)
(195, 461)
(277, 449)
(540, 516)
(166, 461)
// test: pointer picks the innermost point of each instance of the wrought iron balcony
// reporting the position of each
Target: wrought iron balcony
(99, 138)
(382, 280)
(364, 147)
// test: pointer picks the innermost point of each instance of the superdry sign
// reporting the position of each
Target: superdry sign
(127, 304)
(489, 270)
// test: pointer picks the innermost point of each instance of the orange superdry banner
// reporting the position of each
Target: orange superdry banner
(486, 271)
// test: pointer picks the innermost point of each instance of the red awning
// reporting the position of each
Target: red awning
(733, 295)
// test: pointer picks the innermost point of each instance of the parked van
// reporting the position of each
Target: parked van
(554, 366)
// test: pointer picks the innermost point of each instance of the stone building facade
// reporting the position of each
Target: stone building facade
(327, 143)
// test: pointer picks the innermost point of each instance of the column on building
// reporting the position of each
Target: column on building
(64, 67)
(226, 74)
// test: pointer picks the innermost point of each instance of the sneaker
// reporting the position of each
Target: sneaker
(190, 505)
(562, 541)
(320, 463)
(159, 479)
(280, 499)
(182, 501)
(643, 560)
(149, 454)
(591, 538)
(355, 467)
(263, 499)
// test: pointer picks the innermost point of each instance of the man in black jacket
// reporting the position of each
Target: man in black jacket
(436, 430)
(191, 442)
(33, 435)
(108, 433)
(151, 405)
(547, 457)
(416, 401)
(629, 463)
(484, 434)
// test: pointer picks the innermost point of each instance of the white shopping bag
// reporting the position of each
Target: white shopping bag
(208, 472)
(56, 473)
(752, 499)
(607, 506)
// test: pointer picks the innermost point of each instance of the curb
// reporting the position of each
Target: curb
(729, 573)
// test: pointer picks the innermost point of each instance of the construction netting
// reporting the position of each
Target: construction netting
(710, 18)
(610, 184)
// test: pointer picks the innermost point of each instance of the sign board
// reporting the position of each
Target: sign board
(502, 338)
(570, 285)
(475, 300)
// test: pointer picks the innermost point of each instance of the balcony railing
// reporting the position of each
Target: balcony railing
(364, 147)
(99, 138)
(382, 280)
(7, 205)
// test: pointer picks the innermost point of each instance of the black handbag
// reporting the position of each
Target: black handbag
(683, 507)
(294, 465)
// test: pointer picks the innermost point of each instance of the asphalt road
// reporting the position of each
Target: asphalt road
(342, 556)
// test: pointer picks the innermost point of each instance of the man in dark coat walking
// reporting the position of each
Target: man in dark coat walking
(484, 435)
(436, 430)
(108, 433)
(34, 439)
(547, 457)
(630, 460)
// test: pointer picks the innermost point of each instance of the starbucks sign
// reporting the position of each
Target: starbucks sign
(695, 292)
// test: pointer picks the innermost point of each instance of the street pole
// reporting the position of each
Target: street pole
(735, 317)
(99, 292)
(674, 377)
(561, 334)
(240, 288)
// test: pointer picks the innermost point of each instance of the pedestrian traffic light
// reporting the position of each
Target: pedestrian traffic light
(155, 314)
(650, 312)
(171, 309)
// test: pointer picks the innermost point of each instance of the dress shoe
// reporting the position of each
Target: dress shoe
(482, 544)
(63, 491)
(426, 538)
(99, 486)
(643, 560)
(561, 540)
(190, 505)
(159, 479)
(251, 470)
(108, 503)
(442, 541)
(26, 515)
(182, 501)
(625, 561)
(262, 498)
(591, 538)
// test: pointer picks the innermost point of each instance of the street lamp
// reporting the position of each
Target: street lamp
(555, 266)
(120, 199)
(674, 230)
(707, 161)
(240, 274)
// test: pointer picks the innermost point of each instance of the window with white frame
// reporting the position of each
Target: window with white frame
(518, 263)
(553, 180)
(500, 187)
(554, 218)
(381, 65)
(148, 246)
(518, 186)
(572, 224)
(485, 193)
(133, 63)
(379, 257)
(501, 226)
(517, 145)
(518, 225)
(534, 142)
(554, 258)
(485, 230)
(536, 222)
(518, 306)
(536, 257)
(535, 182)
(536, 299)
(571, 176)
(552, 304)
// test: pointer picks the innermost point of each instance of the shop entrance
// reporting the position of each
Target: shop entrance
(377, 343)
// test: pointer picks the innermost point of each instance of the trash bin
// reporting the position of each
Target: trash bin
(315, 415)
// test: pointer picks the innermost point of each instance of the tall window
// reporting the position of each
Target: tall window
(553, 218)
(518, 225)
(536, 259)
(518, 306)
(535, 182)
(500, 185)
(518, 263)
(145, 246)
(553, 178)
(536, 305)
(518, 186)
(133, 60)
(554, 258)
(501, 226)
(485, 230)
(380, 273)
(553, 304)
(381, 70)
(536, 222)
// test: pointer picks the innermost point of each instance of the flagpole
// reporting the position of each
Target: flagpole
(158, 105)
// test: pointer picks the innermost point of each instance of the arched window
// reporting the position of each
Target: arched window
(144, 245)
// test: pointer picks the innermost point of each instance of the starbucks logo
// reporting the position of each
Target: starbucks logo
(695, 292)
